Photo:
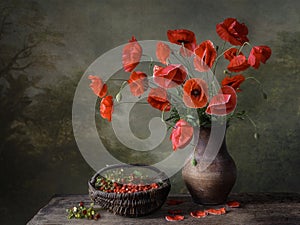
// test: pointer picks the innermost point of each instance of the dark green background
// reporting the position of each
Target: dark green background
(38, 154)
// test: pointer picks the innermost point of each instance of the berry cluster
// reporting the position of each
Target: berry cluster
(81, 212)
(110, 186)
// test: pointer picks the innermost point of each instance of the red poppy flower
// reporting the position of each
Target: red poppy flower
(162, 52)
(220, 211)
(222, 103)
(132, 53)
(106, 107)
(169, 76)
(185, 37)
(234, 81)
(198, 214)
(138, 83)
(231, 53)
(259, 54)
(158, 99)
(195, 93)
(238, 64)
(174, 218)
(232, 31)
(182, 134)
(205, 56)
(97, 86)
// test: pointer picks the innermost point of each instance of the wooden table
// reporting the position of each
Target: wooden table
(256, 208)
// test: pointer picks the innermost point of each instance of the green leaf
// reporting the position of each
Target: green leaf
(194, 162)
(190, 117)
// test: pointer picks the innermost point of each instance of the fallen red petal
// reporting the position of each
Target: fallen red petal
(233, 204)
(198, 214)
(176, 211)
(174, 202)
(174, 218)
(216, 211)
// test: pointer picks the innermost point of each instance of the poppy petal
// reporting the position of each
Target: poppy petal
(232, 31)
(195, 92)
(97, 86)
(221, 104)
(158, 99)
(174, 218)
(238, 64)
(182, 134)
(132, 53)
(106, 107)
(233, 204)
(198, 214)
(183, 37)
(205, 56)
(169, 76)
(231, 53)
(138, 83)
(233, 81)
(259, 54)
(162, 52)
(220, 211)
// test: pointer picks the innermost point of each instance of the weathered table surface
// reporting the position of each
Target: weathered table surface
(256, 208)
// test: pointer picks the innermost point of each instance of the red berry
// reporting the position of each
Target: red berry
(97, 216)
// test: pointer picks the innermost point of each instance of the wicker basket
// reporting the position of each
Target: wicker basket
(131, 204)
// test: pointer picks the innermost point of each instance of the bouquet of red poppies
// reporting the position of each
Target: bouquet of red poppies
(202, 94)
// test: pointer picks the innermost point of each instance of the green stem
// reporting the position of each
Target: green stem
(253, 78)
(170, 125)
(151, 63)
(254, 125)
(216, 61)
(189, 66)
(260, 86)
(238, 52)
(135, 102)
(252, 122)
(223, 46)
(241, 48)
(218, 57)
(118, 79)
(163, 113)
(227, 73)
(182, 62)
(119, 95)
(122, 86)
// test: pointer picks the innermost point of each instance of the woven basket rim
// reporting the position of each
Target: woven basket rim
(165, 180)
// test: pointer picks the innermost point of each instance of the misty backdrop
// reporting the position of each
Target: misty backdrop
(45, 47)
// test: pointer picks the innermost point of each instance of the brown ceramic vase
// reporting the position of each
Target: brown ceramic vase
(212, 184)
